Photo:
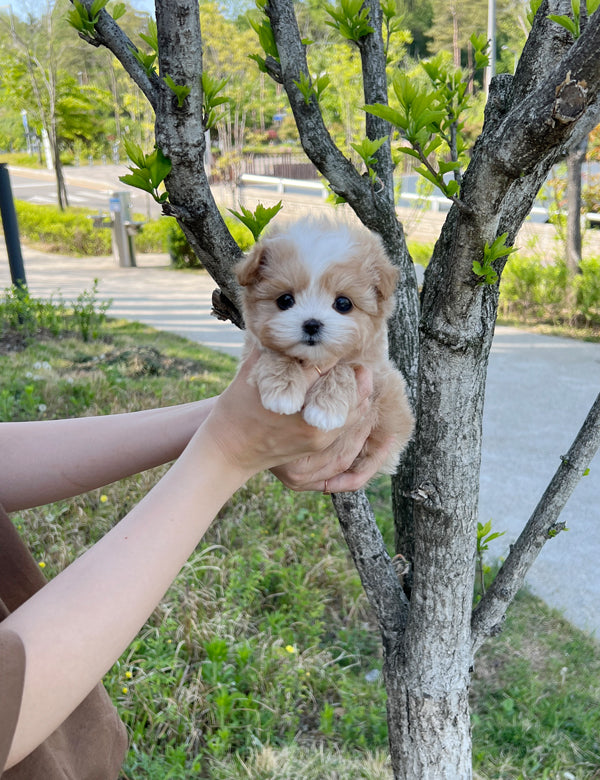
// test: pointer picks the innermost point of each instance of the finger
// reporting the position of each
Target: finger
(352, 480)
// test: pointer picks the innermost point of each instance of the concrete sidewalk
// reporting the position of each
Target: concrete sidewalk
(539, 391)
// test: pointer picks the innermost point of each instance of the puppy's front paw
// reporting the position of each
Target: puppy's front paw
(324, 420)
(288, 402)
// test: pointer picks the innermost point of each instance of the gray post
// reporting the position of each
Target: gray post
(122, 240)
(11, 230)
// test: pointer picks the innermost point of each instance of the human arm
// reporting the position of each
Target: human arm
(47, 460)
(75, 627)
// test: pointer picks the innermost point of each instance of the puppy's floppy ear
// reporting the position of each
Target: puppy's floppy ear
(384, 274)
(249, 270)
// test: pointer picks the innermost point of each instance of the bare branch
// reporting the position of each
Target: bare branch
(377, 573)
(542, 526)
(109, 34)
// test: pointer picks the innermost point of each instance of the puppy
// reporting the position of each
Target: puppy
(319, 294)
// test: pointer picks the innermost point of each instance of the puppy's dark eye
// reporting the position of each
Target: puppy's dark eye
(285, 301)
(342, 304)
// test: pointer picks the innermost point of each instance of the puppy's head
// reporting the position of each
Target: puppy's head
(318, 292)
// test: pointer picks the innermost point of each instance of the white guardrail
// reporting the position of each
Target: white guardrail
(435, 202)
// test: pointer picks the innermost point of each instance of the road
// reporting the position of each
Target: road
(87, 186)
(539, 391)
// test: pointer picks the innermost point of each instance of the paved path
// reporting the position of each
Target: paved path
(539, 391)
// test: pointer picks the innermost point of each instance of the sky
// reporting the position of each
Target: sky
(144, 5)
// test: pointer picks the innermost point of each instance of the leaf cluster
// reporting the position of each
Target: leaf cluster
(574, 25)
(484, 536)
(491, 252)
(211, 100)
(261, 24)
(181, 90)
(366, 150)
(350, 19)
(429, 117)
(147, 61)
(84, 21)
(312, 88)
(148, 171)
(257, 220)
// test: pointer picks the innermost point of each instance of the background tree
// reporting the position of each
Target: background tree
(440, 338)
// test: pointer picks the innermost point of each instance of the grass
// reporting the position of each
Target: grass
(262, 661)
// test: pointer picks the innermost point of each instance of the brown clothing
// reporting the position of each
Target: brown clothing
(91, 743)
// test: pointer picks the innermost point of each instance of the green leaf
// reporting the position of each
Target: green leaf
(118, 11)
(159, 167)
(592, 6)
(151, 37)
(451, 189)
(351, 19)
(181, 91)
(135, 153)
(145, 60)
(261, 25)
(210, 99)
(137, 179)
(257, 221)
(96, 7)
(389, 114)
(260, 61)
(305, 87)
(497, 249)
(565, 22)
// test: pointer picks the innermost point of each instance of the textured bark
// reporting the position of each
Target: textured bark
(441, 343)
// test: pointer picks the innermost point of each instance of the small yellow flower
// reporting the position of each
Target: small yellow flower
(103, 498)
(42, 565)
(128, 675)
(290, 648)
(124, 690)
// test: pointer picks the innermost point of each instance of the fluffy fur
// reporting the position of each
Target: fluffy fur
(317, 293)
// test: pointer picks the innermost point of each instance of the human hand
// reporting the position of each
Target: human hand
(329, 470)
(252, 439)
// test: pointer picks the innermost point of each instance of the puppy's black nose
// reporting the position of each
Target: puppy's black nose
(312, 327)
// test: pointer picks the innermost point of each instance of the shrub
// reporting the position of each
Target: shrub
(536, 291)
(587, 291)
(70, 231)
(73, 232)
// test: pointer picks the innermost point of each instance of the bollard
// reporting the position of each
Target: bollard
(123, 229)
(11, 231)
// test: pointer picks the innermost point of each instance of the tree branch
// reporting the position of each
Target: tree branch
(547, 116)
(180, 134)
(375, 91)
(377, 573)
(343, 177)
(109, 34)
(543, 525)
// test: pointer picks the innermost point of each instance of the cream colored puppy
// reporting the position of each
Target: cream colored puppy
(319, 294)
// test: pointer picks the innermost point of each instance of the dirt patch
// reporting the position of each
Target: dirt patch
(143, 361)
